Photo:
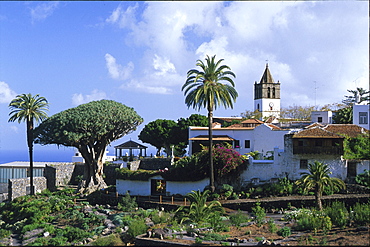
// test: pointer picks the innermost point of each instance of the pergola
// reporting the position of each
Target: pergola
(130, 145)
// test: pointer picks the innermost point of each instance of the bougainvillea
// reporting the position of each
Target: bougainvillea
(225, 159)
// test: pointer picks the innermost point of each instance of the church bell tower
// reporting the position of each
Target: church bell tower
(267, 96)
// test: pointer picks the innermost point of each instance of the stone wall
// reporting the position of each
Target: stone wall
(21, 186)
(59, 175)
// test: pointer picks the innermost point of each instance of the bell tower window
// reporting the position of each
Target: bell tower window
(273, 92)
(268, 92)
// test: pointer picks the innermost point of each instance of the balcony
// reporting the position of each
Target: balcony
(318, 150)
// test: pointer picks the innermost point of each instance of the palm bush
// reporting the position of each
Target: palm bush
(199, 210)
(316, 178)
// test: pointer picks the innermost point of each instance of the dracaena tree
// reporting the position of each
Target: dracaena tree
(204, 88)
(89, 128)
(28, 108)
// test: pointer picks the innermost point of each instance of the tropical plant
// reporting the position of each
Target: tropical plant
(199, 210)
(28, 108)
(90, 128)
(259, 213)
(338, 214)
(204, 89)
(316, 178)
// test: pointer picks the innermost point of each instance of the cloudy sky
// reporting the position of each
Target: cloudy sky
(138, 53)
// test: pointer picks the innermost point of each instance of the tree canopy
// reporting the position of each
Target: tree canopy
(358, 96)
(160, 134)
(89, 128)
(343, 116)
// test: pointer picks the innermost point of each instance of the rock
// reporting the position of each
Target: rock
(362, 228)
(159, 233)
(264, 242)
(46, 234)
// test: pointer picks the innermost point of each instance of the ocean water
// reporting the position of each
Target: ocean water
(39, 154)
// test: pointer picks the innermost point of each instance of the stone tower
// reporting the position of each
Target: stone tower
(267, 96)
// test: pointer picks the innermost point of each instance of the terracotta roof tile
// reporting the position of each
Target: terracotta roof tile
(316, 132)
(351, 130)
(252, 120)
(274, 127)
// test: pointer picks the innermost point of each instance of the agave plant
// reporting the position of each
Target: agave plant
(199, 210)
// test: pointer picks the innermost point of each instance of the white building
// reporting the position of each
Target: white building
(361, 115)
(77, 158)
(250, 135)
(322, 117)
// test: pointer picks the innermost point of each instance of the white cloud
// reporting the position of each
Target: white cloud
(163, 66)
(124, 18)
(117, 71)
(6, 93)
(302, 41)
(43, 10)
(78, 99)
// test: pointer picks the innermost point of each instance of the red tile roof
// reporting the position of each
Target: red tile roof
(316, 132)
(351, 130)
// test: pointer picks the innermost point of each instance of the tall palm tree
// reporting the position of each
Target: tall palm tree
(204, 89)
(316, 178)
(28, 108)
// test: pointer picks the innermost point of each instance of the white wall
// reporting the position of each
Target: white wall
(265, 139)
(142, 188)
(325, 115)
(177, 187)
(356, 115)
(137, 188)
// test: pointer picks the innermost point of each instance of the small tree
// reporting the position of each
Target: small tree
(89, 128)
(343, 116)
(316, 178)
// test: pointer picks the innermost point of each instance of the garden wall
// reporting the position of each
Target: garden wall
(21, 186)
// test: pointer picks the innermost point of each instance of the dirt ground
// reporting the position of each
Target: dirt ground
(336, 237)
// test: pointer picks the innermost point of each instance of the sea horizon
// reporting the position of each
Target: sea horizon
(47, 155)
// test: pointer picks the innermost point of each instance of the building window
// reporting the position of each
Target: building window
(273, 92)
(268, 92)
(363, 118)
(319, 119)
(303, 164)
(258, 106)
(247, 144)
(236, 144)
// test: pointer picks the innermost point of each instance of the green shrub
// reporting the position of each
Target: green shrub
(363, 178)
(360, 214)
(74, 234)
(285, 232)
(259, 213)
(313, 220)
(338, 214)
(136, 227)
(4, 233)
(127, 203)
(238, 218)
(272, 226)
(111, 240)
(212, 236)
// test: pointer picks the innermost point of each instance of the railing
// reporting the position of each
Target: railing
(317, 150)
(178, 200)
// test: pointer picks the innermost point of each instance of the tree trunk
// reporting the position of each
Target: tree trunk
(93, 173)
(211, 175)
(30, 151)
(318, 194)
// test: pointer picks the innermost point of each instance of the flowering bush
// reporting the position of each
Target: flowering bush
(225, 159)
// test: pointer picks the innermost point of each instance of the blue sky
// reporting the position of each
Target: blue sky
(138, 53)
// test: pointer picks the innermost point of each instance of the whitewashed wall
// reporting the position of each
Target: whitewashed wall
(362, 166)
(177, 187)
(265, 139)
(142, 188)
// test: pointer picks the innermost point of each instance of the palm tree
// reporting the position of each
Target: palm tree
(203, 89)
(28, 108)
(316, 178)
